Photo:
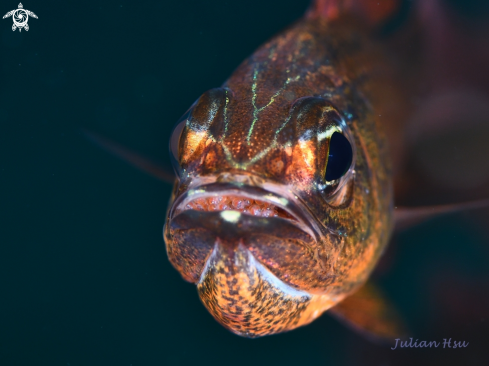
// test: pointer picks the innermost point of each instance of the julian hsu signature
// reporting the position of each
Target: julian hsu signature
(431, 344)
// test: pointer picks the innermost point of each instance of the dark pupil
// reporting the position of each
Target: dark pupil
(340, 157)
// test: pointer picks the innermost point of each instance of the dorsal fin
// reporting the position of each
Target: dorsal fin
(372, 12)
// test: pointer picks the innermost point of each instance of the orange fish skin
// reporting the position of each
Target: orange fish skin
(264, 137)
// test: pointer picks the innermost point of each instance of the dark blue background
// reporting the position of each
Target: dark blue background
(84, 278)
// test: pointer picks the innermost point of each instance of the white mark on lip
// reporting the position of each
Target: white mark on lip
(193, 192)
(277, 200)
(231, 216)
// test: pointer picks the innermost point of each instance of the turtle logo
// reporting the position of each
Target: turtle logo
(20, 17)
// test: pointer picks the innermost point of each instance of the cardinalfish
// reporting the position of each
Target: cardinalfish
(283, 202)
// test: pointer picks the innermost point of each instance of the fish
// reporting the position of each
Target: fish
(283, 201)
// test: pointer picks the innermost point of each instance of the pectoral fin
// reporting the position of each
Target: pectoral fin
(370, 313)
(131, 157)
(406, 217)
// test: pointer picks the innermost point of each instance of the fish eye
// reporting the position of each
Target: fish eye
(175, 141)
(340, 157)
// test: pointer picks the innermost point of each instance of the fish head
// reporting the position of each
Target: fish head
(278, 211)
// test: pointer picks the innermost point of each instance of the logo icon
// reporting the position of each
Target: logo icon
(20, 17)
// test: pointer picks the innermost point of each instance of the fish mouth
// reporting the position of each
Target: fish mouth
(258, 206)
(276, 228)
(244, 246)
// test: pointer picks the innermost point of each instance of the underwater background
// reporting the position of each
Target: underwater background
(84, 276)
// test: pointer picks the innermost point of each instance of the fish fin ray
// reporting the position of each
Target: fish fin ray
(130, 157)
(370, 313)
(406, 217)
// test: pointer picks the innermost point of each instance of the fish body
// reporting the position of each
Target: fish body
(270, 242)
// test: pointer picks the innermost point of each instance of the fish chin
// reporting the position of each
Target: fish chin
(258, 271)
(248, 299)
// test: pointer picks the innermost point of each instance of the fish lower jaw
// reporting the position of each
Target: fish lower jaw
(249, 300)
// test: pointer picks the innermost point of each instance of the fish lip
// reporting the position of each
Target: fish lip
(286, 200)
